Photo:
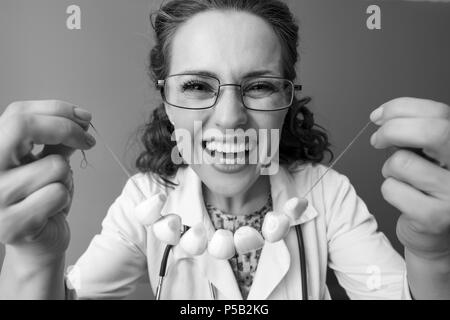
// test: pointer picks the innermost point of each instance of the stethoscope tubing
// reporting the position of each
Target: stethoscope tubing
(162, 271)
(303, 272)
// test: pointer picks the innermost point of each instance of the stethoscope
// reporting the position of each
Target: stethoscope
(304, 286)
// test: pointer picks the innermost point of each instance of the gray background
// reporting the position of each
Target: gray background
(346, 68)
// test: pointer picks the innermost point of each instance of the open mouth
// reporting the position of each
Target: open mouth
(227, 152)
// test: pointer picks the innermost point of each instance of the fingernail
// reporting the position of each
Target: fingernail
(90, 140)
(85, 126)
(82, 114)
(376, 115)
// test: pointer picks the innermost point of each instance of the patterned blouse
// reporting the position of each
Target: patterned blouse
(243, 265)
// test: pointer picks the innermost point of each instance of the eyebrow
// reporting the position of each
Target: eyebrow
(255, 73)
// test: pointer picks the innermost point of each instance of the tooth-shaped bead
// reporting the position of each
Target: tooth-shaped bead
(148, 211)
(275, 226)
(221, 245)
(247, 239)
(168, 229)
(294, 208)
(195, 240)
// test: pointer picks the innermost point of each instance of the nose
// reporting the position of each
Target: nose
(229, 112)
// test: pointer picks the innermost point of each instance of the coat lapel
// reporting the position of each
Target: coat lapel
(275, 259)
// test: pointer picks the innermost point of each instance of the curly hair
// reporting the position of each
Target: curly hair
(301, 138)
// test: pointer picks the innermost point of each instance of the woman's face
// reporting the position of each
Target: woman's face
(232, 46)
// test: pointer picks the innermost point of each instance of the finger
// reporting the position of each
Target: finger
(52, 130)
(68, 183)
(18, 135)
(413, 133)
(410, 235)
(18, 183)
(429, 214)
(408, 167)
(410, 108)
(59, 149)
(51, 108)
(29, 216)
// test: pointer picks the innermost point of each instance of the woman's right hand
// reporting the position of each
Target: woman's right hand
(36, 190)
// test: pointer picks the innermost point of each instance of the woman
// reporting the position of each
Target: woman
(227, 65)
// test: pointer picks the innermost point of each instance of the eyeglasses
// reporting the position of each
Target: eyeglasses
(199, 92)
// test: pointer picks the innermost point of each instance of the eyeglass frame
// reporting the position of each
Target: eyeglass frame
(160, 85)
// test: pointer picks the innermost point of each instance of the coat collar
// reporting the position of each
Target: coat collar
(186, 200)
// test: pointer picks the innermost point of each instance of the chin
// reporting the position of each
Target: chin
(225, 181)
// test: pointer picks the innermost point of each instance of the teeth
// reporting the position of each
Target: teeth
(227, 147)
(230, 153)
(238, 160)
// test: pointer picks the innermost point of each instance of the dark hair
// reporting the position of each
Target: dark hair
(301, 139)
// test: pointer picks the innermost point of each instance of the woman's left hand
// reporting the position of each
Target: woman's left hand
(419, 186)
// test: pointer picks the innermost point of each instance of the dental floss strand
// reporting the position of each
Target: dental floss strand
(84, 163)
(116, 159)
(339, 157)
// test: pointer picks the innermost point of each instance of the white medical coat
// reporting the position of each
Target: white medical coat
(338, 231)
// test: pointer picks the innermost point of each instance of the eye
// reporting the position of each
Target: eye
(260, 89)
(196, 86)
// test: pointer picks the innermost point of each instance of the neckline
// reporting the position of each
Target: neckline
(212, 209)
